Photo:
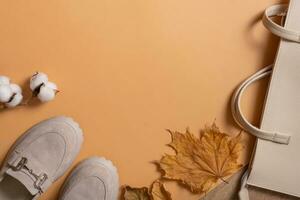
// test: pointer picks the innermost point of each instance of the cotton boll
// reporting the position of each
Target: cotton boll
(15, 88)
(46, 94)
(16, 100)
(5, 93)
(38, 79)
(51, 85)
(4, 80)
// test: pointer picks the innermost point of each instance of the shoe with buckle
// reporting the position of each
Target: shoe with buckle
(39, 157)
(93, 179)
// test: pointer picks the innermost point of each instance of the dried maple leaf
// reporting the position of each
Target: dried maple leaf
(159, 192)
(136, 193)
(201, 162)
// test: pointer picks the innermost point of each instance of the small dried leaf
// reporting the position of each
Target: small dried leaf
(201, 162)
(136, 193)
(159, 192)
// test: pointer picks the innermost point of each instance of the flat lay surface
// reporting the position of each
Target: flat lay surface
(127, 71)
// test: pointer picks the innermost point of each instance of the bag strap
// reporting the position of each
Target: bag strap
(276, 29)
(243, 122)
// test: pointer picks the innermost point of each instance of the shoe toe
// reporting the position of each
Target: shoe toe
(93, 179)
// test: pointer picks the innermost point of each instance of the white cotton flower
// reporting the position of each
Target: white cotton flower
(46, 93)
(44, 90)
(16, 100)
(15, 88)
(37, 80)
(51, 85)
(4, 80)
(5, 93)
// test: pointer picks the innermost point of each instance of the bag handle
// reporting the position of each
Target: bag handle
(276, 29)
(240, 118)
(275, 10)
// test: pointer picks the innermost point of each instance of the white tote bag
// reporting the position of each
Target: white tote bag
(276, 161)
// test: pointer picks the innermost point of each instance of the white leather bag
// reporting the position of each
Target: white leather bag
(276, 161)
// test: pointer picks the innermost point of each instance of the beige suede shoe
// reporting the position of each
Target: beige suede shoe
(39, 157)
(93, 179)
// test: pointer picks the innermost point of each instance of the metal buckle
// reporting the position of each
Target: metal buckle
(21, 164)
(40, 180)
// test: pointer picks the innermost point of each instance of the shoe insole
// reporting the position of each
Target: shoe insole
(12, 189)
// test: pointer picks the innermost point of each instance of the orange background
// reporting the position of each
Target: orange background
(127, 70)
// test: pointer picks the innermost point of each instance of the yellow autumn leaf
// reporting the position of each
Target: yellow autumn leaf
(159, 192)
(201, 162)
(136, 193)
